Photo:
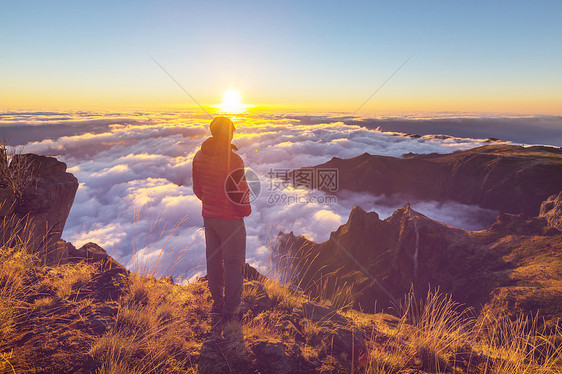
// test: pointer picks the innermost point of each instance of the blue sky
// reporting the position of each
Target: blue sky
(501, 56)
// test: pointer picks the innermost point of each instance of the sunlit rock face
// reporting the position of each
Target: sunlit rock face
(383, 259)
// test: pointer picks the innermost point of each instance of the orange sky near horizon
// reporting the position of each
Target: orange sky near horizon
(545, 105)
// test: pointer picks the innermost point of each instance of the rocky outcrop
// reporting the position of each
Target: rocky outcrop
(271, 357)
(377, 261)
(65, 252)
(551, 210)
(507, 178)
(36, 195)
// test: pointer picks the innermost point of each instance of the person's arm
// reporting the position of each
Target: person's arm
(195, 176)
(243, 205)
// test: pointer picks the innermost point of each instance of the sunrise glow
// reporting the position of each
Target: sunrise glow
(232, 102)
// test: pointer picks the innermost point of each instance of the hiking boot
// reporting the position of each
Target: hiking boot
(231, 317)
(232, 327)
(216, 326)
(217, 307)
(216, 319)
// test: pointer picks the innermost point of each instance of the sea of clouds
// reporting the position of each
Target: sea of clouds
(135, 197)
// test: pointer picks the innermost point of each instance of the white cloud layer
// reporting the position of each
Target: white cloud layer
(135, 197)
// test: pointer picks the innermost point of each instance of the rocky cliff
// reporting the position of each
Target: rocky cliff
(507, 178)
(516, 261)
(36, 194)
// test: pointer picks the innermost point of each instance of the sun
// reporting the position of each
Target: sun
(232, 102)
(231, 99)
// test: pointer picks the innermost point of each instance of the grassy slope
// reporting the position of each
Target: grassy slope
(87, 318)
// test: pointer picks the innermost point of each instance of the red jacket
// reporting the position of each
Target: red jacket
(219, 181)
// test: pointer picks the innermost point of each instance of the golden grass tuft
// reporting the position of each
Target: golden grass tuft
(69, 279)
(518, 345)
(5, 364)
(14, 263)
(281, 296)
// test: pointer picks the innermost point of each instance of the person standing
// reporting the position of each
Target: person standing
(220, 184)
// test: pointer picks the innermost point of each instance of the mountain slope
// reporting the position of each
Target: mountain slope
(516, 262)
(511, 179)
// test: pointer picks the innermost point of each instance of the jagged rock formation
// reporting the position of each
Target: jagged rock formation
(551, 210)
(507, 178)
(377, 261)
(65, 252)
(36, 194)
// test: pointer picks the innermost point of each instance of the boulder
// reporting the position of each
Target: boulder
(250, 273)
(59, 253)
(271, 357)
(91, 252)
(110, 284)
(36, 196)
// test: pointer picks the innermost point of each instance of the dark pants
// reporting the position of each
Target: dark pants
(226, 254)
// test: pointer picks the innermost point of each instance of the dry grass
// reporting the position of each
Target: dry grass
(171, 253)
(154, 330)
(437, 335)
(15, 175)
(159, 327)
(519, 345)
(53, 319)
(300, 270)
(70, 278)
(435, 328)
(15, 260)
(281, 297)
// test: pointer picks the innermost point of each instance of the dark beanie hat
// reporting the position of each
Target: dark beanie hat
(222, 126)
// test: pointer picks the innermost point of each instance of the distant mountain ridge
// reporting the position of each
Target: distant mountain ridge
(508, 178)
